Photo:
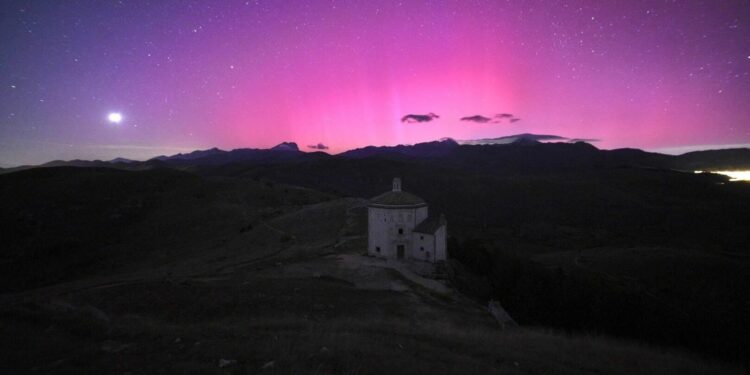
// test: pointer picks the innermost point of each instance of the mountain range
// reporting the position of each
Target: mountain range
(512, 153)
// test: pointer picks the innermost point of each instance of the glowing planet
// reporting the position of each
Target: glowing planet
(114, 117)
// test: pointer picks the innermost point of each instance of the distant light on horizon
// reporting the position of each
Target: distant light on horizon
(733, 175)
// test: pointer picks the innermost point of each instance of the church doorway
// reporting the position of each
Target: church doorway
(400, 251)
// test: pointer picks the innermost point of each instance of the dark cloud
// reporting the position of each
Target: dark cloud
(410, 118)
(319, 146)
(477, 118)
(498, 118)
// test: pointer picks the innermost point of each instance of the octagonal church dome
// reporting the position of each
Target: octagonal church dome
(397, 198)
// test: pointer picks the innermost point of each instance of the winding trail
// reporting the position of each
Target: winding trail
(353, 261)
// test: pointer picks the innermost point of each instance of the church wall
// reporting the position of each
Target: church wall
(441, 243)
(424, 247)
(383, 230)
(421, 215)
(377, 234)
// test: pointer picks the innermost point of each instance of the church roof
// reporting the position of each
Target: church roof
(430, 225)
(397, 199)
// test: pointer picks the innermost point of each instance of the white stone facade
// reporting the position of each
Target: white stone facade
(398, 228)
(431, 247)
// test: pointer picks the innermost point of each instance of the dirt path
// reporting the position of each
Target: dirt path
(355, 261)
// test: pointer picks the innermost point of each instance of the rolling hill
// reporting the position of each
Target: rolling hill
(603, 257)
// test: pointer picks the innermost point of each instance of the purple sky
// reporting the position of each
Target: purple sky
(658, 75)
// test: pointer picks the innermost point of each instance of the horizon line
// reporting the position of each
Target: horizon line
(673, 150)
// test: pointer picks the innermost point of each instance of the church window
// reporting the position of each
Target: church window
(421, 237)
(421, 248)
(400, 230)
(377, 248)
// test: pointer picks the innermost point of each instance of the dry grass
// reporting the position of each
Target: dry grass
(221, 303)
(302, 326)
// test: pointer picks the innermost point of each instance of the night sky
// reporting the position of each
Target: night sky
(658, 75)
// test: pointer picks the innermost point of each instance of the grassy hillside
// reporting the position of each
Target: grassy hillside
(696, 297)
(62, 223)
(109, 267)
(299, 325)
(278, 298)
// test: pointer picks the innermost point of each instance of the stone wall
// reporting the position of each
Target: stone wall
(383, 230)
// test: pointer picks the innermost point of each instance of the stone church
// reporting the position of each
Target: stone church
(400, 228)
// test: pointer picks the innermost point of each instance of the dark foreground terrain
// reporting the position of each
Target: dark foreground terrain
(610, 264)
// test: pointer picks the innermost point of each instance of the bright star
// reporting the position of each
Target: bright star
(114, 117)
